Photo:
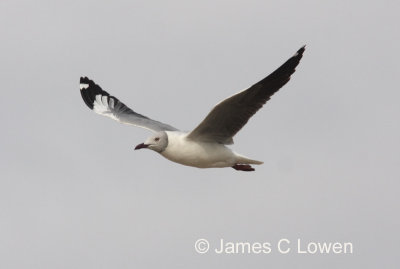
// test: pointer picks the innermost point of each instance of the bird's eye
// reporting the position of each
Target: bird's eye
(156, 139)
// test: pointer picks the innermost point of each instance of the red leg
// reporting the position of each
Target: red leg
(243, 167)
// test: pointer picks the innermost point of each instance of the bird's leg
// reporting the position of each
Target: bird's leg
(243, 167)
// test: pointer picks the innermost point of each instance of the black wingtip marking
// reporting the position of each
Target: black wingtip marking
(281, 76)
(89, 90)
(289, 67)
(300, 52)
(84, 80)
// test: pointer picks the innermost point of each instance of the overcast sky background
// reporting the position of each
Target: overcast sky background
(74, 193)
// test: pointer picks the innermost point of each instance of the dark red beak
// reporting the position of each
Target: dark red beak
(141, 146)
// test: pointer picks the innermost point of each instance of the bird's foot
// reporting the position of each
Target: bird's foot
(243, 167)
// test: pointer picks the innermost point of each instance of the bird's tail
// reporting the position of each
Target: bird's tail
(244, 160)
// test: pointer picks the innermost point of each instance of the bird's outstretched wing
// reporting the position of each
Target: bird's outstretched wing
(230, 115)
(104, 104)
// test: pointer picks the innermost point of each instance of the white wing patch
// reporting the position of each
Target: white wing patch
(104, 104)
(83, 86)
(101, 106)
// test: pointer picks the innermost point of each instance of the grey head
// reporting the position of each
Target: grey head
(157, 142)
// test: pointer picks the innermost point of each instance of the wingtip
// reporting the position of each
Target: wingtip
(84, 83)
(84, 80)
(300, 51)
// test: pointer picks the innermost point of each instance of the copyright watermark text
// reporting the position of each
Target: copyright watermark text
(282, 246)
(202, 246)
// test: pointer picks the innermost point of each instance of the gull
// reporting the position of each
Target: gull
(206, 145)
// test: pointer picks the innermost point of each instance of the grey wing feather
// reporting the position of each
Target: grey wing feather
(104, 104)
(230, 115)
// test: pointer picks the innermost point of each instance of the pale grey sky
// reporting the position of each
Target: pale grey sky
(74, 193)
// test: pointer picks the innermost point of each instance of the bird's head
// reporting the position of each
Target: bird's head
(157, 142)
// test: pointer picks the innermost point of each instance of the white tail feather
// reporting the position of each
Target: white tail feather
(244, 160)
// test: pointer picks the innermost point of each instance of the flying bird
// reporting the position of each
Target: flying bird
(205, 146)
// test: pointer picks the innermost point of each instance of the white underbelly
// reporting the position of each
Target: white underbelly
(202, 155)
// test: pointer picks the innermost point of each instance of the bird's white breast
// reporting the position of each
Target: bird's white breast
(197, 154)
